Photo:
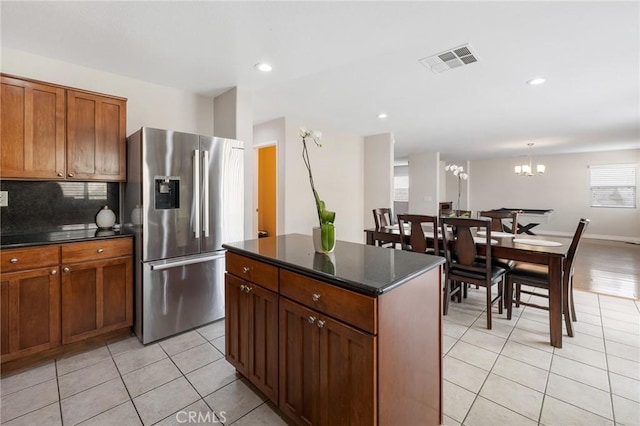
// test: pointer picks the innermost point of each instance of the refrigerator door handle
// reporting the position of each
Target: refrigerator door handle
(196, 192)
(205, 189)
(169, 265)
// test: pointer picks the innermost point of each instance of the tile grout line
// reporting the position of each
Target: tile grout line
(606, 361)
(124, 384)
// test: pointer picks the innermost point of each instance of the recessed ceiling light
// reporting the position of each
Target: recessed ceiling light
(264, 67)
(536, 81)
(382, 115)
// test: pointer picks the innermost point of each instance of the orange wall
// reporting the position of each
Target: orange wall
(267, 189)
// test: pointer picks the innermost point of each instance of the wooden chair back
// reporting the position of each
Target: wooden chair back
(413, 236)
(497, 218)
(382, 217)
(575, 242)
(459, 244)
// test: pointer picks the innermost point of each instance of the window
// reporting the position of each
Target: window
(401, 188)
(613, 185)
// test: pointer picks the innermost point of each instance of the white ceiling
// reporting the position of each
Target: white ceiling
(342, 63)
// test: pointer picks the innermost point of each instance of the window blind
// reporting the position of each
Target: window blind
(613, 185)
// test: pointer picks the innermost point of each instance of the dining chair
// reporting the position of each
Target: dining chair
(538, 276)
(383, 217)
(413, 235)
(463, 264)
(498, 218)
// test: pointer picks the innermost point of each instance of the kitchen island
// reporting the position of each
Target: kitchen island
(350, 338)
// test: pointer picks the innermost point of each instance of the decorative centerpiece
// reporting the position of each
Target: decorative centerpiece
(324, 236)
(458, 171)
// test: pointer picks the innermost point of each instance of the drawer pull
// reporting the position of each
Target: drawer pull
(60, 174)
(320, 323)
(14, 260)
(243, 287)
(311, 319)
(71, 175)
(66, 269)
(245, 269)
(53, 272)
(100, 250)
(315, 297)
(248, 288)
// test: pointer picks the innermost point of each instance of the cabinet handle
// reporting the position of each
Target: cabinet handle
(66, 269)
(71, 175)
(100, 250)
(242, 287)
(248, 288)
(311, 319)
(60, 174)
(53, 272)
(315, 297)
(14, 260)
(245, 269)
(320, 323)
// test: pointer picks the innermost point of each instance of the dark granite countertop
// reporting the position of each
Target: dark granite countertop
(59, 237)
(362, 268)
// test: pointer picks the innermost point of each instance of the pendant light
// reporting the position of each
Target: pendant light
(527, 169)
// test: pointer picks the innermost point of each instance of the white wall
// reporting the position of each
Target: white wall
(268, 132)
(337, 169)
(148, 104)
(378, 175)
(564, 188)
(424, 183)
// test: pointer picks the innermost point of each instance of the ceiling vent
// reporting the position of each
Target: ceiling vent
(449, 59)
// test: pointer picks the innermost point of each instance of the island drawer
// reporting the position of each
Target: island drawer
(252, 270)
(355, 309)
(23, 259)
(96, 250)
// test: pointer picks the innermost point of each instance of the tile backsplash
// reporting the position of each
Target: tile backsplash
(52, 206)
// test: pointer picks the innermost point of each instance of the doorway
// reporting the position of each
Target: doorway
(267, 191)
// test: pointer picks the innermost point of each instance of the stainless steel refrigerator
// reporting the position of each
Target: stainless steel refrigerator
(183, 199)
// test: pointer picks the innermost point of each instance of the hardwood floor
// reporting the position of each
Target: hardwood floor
(608, 267)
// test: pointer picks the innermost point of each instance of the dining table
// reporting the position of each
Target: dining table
(536, 249)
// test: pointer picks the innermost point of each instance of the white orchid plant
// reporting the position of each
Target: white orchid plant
(325, 217)
(458, 171)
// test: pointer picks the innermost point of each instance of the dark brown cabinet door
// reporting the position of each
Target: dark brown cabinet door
(347, 375)
(96, 137)
(30, 312)
(299, 358)
(32, 126)
(251, 343)
(97, 297)
(236, 324)
(263, 340)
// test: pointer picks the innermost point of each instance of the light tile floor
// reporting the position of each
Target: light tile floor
(509, 375)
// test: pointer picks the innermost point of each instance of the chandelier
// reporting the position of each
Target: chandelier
(527, 169)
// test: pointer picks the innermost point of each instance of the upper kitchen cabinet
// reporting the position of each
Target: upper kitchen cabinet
(96, 137)
(52, 132)
(32, 118)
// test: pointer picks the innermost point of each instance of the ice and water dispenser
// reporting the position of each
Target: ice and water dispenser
(167, 192)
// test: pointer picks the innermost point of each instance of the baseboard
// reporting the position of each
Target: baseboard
(632, 240)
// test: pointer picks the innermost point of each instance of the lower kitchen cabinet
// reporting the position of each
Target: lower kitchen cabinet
(56, 294)
(30, 312)
(342, 357)
(97, 294)
(327, 369)
(252, 333)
